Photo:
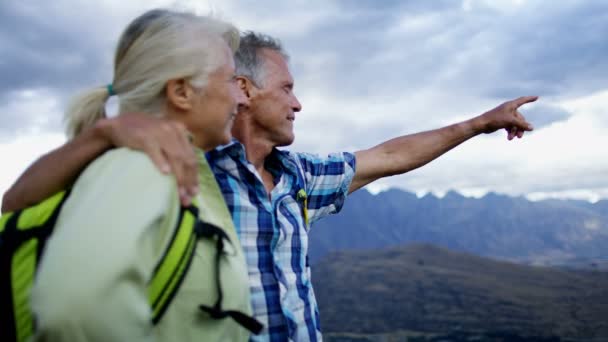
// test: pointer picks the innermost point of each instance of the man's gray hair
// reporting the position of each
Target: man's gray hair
(247, 58)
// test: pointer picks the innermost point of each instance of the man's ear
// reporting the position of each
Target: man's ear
(180, 94)
(246, 86)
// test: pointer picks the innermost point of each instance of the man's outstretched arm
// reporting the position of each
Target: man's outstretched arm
(165, 142)
(406, 153)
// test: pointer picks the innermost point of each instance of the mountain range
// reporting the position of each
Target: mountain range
(549, 232)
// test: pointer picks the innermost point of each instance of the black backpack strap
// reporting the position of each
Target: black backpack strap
(246, 321)
(207, 230)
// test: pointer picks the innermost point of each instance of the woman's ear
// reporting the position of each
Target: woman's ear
(179, 94)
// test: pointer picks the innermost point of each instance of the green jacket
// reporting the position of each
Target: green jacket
(112, 230)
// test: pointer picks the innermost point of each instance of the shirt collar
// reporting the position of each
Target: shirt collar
(282, 158)
(236, 150)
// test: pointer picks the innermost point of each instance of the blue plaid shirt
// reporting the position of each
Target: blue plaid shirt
(274, 232)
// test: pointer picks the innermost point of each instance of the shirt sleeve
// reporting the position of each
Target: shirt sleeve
(92, 280)
(327, 181)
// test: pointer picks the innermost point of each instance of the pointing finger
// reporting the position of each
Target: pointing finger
(525, 99)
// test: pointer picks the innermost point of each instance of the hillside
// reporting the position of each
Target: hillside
(429, 290)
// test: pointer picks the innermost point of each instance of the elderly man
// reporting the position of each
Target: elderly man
(273, 195)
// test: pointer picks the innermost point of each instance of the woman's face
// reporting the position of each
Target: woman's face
(216, 106)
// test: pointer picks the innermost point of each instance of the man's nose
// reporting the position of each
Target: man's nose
(296, 105)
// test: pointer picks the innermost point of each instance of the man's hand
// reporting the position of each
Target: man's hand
(166, 142)
(408, 152)
(506, 116)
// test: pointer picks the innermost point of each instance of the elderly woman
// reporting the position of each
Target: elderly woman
(112, 233)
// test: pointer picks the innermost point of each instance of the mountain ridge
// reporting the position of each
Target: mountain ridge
(548, 232)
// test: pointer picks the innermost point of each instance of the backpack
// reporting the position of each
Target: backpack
(24, 233)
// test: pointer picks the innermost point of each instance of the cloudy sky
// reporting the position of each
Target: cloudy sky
(365, 71)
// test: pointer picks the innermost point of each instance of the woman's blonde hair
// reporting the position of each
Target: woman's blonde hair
(156, 47)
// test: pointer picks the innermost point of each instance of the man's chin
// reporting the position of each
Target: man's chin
(226, 141)
(226, 138)
(286, 141)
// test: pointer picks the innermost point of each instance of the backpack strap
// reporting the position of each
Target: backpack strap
(23, 235)
(173, 266)
(210, 231)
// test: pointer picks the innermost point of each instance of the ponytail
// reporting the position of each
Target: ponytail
(86, 109)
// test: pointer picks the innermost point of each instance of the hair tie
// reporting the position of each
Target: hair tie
(111, 91)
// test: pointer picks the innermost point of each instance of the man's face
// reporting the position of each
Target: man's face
(273, 105)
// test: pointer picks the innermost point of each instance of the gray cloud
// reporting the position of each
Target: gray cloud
(545, 115)
(26, 113)
(556, 49)
(51, 50)
(411, 6)
(358, 49)
(41, 50)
